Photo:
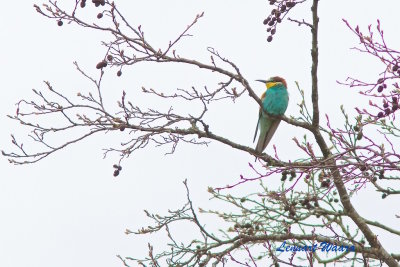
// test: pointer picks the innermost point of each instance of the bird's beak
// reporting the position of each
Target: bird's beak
(263, 81)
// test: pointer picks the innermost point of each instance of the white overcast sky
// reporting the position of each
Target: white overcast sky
(68, 210)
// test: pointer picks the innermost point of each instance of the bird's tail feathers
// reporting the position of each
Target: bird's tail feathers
(267, 130)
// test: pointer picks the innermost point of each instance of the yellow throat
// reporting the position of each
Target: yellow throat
(271, 84)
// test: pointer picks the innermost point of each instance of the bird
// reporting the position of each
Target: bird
(275, 101)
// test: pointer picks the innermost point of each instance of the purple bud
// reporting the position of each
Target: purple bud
(290, 4)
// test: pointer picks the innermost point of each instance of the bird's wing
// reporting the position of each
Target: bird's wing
(258, 123)
(259, 117)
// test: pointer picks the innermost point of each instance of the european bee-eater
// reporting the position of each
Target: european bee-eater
(275, 101)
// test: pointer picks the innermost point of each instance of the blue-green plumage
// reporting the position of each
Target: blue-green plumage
(275, 101)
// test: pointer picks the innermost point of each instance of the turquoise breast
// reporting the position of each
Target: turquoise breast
(276, 100)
